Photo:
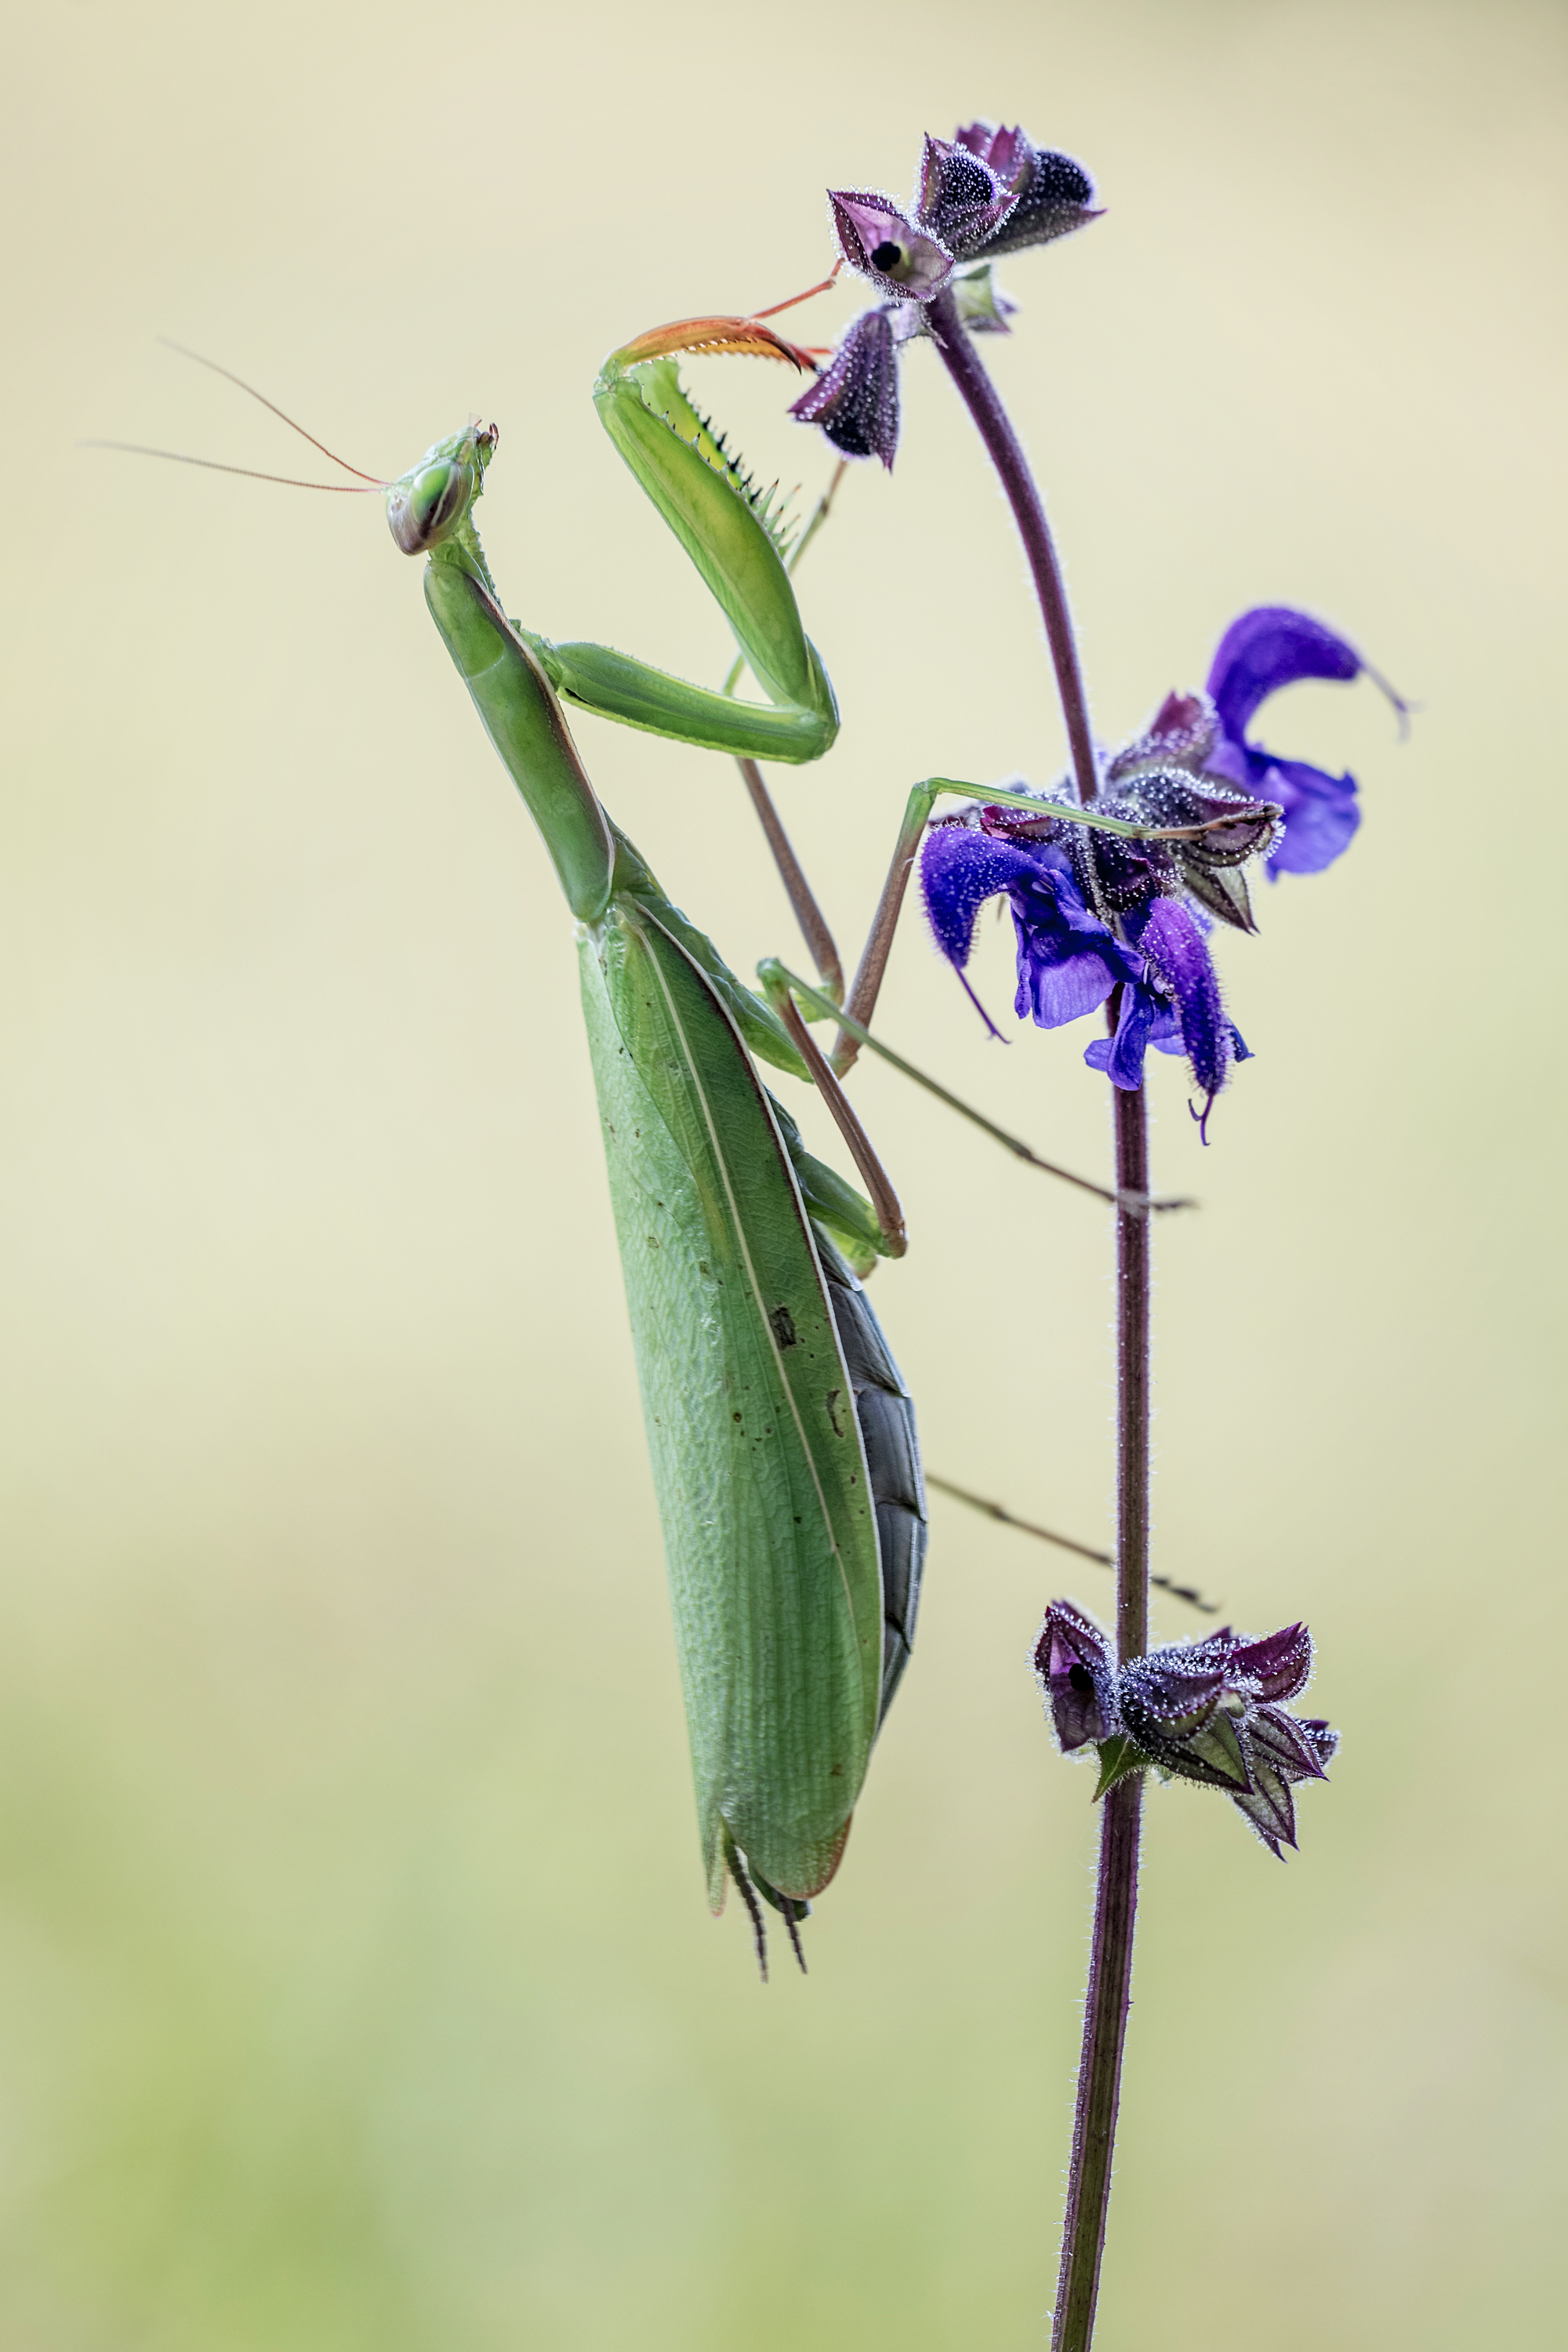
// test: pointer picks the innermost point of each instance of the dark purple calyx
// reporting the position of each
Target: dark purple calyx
(1077, 1675)
(1224, 826)
(961, 200)
(883, 244)
(1213, 1711)
(1054, 193)
(855, 400)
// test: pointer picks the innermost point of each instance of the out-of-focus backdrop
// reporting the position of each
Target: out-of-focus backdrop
(356, 1985)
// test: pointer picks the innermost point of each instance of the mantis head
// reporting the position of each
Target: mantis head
(430, 503)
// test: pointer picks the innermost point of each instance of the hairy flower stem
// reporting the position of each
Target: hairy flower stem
(1132, 1374)
(1109, 1996)
(1100, 2068)
(967, 370)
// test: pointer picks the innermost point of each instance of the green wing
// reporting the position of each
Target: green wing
(770, 1535)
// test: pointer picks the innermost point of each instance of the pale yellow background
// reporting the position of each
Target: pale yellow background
(356, 1989)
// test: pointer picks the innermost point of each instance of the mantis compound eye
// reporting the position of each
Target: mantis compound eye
(421, 511)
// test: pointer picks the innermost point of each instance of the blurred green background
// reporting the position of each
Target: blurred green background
(356, 1985)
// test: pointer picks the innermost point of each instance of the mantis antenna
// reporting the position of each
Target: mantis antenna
(373, 480)
(212, 464)
(365, 482)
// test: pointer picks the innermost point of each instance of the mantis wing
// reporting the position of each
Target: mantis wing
(769, 1528)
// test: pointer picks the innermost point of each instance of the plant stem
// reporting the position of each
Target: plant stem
(1100, 2068)
(1109, 1997)
(967, 370)
(1132, 1374)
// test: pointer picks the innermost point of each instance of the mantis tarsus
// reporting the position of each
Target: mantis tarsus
(783, 1438)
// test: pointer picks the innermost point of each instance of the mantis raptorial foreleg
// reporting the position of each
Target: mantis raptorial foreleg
(738, 544)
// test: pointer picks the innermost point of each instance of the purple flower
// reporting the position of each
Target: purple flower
(1094, 911)
(1181, 1011)
(1214, 1711)
(1267, 648)
(1068, 963)
(1071, 955)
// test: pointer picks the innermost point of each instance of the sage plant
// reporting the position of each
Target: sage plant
(1125, 930)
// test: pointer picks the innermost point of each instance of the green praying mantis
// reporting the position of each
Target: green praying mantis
(782, 1435)
(783, 1439)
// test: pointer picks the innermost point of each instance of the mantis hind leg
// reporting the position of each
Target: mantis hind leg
(791, 1916)
(751, 1883)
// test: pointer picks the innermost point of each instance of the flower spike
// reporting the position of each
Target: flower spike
(1094, 911)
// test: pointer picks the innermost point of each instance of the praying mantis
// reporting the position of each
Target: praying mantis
(782, 1435)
